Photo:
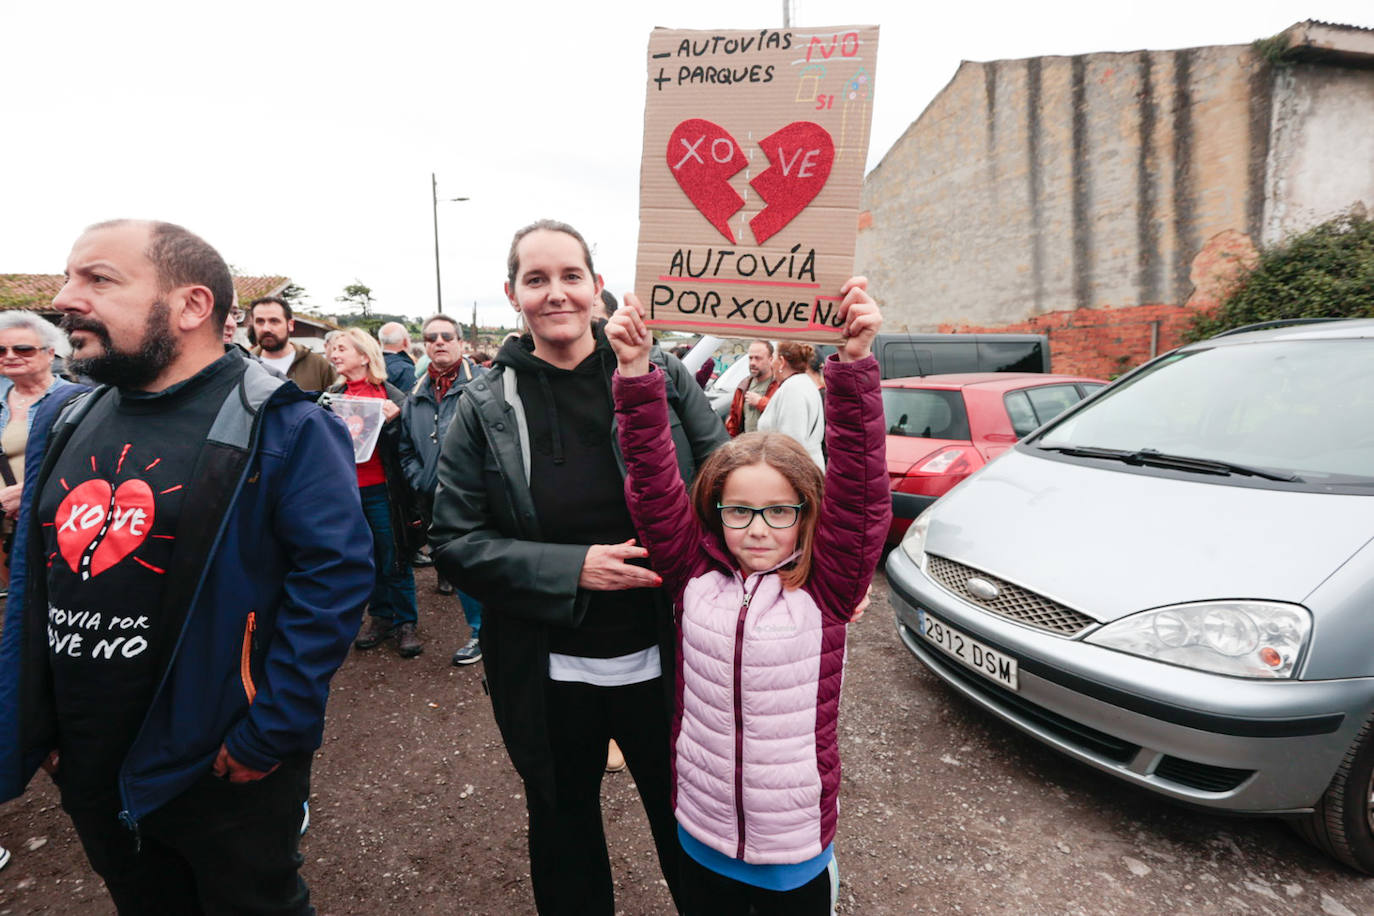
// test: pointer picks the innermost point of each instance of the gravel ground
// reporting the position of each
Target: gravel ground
(416, 810)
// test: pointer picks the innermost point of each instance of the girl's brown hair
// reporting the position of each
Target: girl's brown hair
(783, 454)
(797, 355)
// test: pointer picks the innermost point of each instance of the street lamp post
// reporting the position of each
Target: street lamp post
(434, 202)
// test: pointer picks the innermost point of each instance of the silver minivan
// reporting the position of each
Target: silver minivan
(1174, 580)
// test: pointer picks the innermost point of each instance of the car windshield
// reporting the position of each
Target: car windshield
(925, 413)
(1299, 410)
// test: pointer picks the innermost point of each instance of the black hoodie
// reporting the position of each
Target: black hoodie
(578, 489)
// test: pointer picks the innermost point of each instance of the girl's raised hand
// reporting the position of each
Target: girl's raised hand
(860, 318)
(629, 337)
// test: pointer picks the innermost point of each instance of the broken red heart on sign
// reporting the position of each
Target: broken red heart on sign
(99, 531)
(703, 157)
(801, 155)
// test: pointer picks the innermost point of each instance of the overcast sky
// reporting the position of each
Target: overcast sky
(298, 138)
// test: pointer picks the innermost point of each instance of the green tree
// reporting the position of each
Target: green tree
(293, 294)
(359, 295)
(1325, 272)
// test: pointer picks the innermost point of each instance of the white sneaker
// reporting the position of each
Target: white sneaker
(469, 654)
(4, 857)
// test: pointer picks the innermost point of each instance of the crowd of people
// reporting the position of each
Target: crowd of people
(189, 565)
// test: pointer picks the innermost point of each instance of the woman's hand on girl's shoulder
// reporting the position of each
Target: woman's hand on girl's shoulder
(629, 337)
(861, 319)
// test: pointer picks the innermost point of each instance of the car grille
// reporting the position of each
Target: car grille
(1014, 602)
(1202, 776)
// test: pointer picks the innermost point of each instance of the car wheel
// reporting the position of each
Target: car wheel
(1342, 823)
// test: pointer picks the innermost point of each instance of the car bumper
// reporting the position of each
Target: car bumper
(1233, 744)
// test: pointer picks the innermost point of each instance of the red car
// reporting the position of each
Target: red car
(942, 428)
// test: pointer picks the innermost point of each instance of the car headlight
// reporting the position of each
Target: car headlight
(1239, 638)
(914, 542)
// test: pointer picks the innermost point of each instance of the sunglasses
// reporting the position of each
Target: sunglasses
(24, 350)
(433, 336)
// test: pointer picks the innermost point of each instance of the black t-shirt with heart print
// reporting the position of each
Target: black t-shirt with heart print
(109, 512)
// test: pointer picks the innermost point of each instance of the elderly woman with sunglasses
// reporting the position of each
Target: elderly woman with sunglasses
(27, 346)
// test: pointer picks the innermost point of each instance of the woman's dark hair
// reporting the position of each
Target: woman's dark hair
(548, 225)
(783, 454)
(797, 356)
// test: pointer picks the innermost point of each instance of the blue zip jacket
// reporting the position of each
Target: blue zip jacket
(271, 614)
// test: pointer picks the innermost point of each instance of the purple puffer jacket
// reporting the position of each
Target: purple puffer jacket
(756, 764)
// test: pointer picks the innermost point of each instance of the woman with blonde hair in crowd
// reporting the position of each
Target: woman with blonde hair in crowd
(397, 531)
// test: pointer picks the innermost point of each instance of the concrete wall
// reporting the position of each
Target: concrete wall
(1030, 187)
(1102, 198)
(1321, 156)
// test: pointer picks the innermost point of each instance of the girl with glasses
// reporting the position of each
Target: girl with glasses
(766, 562)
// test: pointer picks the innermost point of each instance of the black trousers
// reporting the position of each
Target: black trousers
(708, 893)
(218, 848)
(569, 866)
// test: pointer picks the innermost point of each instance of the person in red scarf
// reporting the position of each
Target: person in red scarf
(424, 421)
(397, 531)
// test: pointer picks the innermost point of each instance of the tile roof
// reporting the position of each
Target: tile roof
(36, 291)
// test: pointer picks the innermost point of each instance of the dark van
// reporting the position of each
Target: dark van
(905, 355)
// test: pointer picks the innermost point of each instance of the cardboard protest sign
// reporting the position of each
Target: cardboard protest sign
(363, 417)
(754, 152)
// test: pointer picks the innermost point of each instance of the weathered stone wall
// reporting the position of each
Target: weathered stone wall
(1321, 157)
(1038, 186)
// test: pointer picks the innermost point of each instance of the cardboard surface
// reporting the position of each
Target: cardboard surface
(754, 152)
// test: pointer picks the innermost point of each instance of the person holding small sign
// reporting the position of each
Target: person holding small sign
(397, 531)
(530, 518)
(767, 564)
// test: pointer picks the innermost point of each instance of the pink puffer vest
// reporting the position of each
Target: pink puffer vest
(759, 668)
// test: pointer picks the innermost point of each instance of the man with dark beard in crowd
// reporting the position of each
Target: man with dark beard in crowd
(186, 580)
(272, 324)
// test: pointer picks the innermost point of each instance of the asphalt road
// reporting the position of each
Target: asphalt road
(944, 809)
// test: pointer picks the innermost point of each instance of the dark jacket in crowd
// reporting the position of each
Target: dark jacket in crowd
(400, 369)
(275, 589)
(423, 425)
(488, 540)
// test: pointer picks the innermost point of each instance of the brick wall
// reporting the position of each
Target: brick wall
(1102, 343)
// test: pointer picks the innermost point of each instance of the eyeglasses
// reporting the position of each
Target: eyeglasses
(238, 315)
(21, 350)
(433, 336)
(780, 516)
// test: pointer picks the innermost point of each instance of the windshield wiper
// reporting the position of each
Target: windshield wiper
(1153, 458)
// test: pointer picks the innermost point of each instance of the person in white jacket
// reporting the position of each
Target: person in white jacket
(796, 408)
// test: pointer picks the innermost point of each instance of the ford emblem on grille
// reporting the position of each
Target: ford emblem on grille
(982, 588)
